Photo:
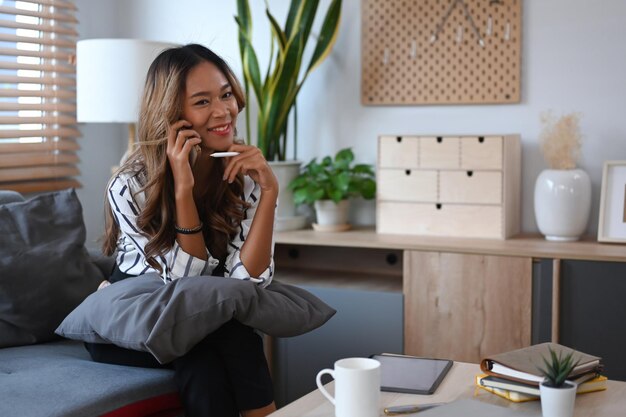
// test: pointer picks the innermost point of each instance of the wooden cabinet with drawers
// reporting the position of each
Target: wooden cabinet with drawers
(465, 186)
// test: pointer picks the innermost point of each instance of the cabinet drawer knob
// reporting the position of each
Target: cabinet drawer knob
(399, 139)
(470, 173)
(439, 139)
(407, 171)
(391, 259)
(481, 139)
(438, 205)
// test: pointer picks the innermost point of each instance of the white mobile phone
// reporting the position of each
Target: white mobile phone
(193, 154)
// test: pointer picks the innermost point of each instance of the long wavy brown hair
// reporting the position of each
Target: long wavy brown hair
(221, 208)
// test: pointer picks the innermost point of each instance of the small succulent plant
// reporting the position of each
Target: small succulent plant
(557, 368)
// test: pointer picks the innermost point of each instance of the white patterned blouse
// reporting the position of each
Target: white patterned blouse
(127, 201)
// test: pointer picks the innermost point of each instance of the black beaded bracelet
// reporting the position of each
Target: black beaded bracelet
(186, 231)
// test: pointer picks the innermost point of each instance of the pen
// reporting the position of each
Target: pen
(397, 410)
(223, 154)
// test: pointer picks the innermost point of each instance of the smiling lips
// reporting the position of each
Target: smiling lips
(221, 130)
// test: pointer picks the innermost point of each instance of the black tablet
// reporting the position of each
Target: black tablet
(410, 374)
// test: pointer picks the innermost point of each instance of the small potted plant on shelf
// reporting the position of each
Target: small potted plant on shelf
(557, 393)
(329, 185)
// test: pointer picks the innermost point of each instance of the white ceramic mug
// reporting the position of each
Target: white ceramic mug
(357, 387)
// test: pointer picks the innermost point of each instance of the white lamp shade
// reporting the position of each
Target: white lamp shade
(110, 76)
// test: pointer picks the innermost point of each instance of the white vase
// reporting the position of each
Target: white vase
(286, 215)
(558, 402)
(562, 203)
(332, 216)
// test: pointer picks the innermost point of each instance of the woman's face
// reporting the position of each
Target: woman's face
(210, 106)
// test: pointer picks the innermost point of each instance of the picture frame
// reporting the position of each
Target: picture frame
(612, 225)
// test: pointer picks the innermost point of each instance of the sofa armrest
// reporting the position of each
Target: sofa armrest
(7, 196)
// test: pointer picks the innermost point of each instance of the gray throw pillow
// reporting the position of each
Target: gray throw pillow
(167, 320)
(45, 270)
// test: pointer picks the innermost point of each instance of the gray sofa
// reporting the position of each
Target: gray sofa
(48, 286)
(56, 377)
(59, 379)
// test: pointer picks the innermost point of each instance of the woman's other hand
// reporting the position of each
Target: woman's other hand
(103, 284)
(180, 142)
(251, 162)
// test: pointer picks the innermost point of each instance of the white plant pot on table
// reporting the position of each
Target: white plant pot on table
(558, 402)
(331, 216)
(562, 203)
(287, 217)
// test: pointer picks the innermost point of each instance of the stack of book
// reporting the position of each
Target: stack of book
(515, 375)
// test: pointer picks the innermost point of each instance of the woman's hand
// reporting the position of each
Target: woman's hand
(251, 162)
(180, 141)
(103, 284)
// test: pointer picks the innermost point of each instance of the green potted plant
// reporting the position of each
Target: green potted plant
(277, 89)
(329, 185)
(557, 393)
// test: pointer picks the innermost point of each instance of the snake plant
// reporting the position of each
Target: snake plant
(277, 90)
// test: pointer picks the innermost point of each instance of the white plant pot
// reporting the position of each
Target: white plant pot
(562, 203)
(558, 402)
(332, 216)
(286, 215)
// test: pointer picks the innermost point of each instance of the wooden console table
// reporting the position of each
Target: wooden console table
(533, 246)
(494, 295)
(457, 385)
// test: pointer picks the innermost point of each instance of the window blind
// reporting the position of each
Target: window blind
(38, 95)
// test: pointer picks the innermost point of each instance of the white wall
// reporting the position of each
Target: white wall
(573, 60)
(102, 145)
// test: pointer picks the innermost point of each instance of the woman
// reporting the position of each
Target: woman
(175, 209)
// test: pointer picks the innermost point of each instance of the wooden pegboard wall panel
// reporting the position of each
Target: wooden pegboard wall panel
(400, 64)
